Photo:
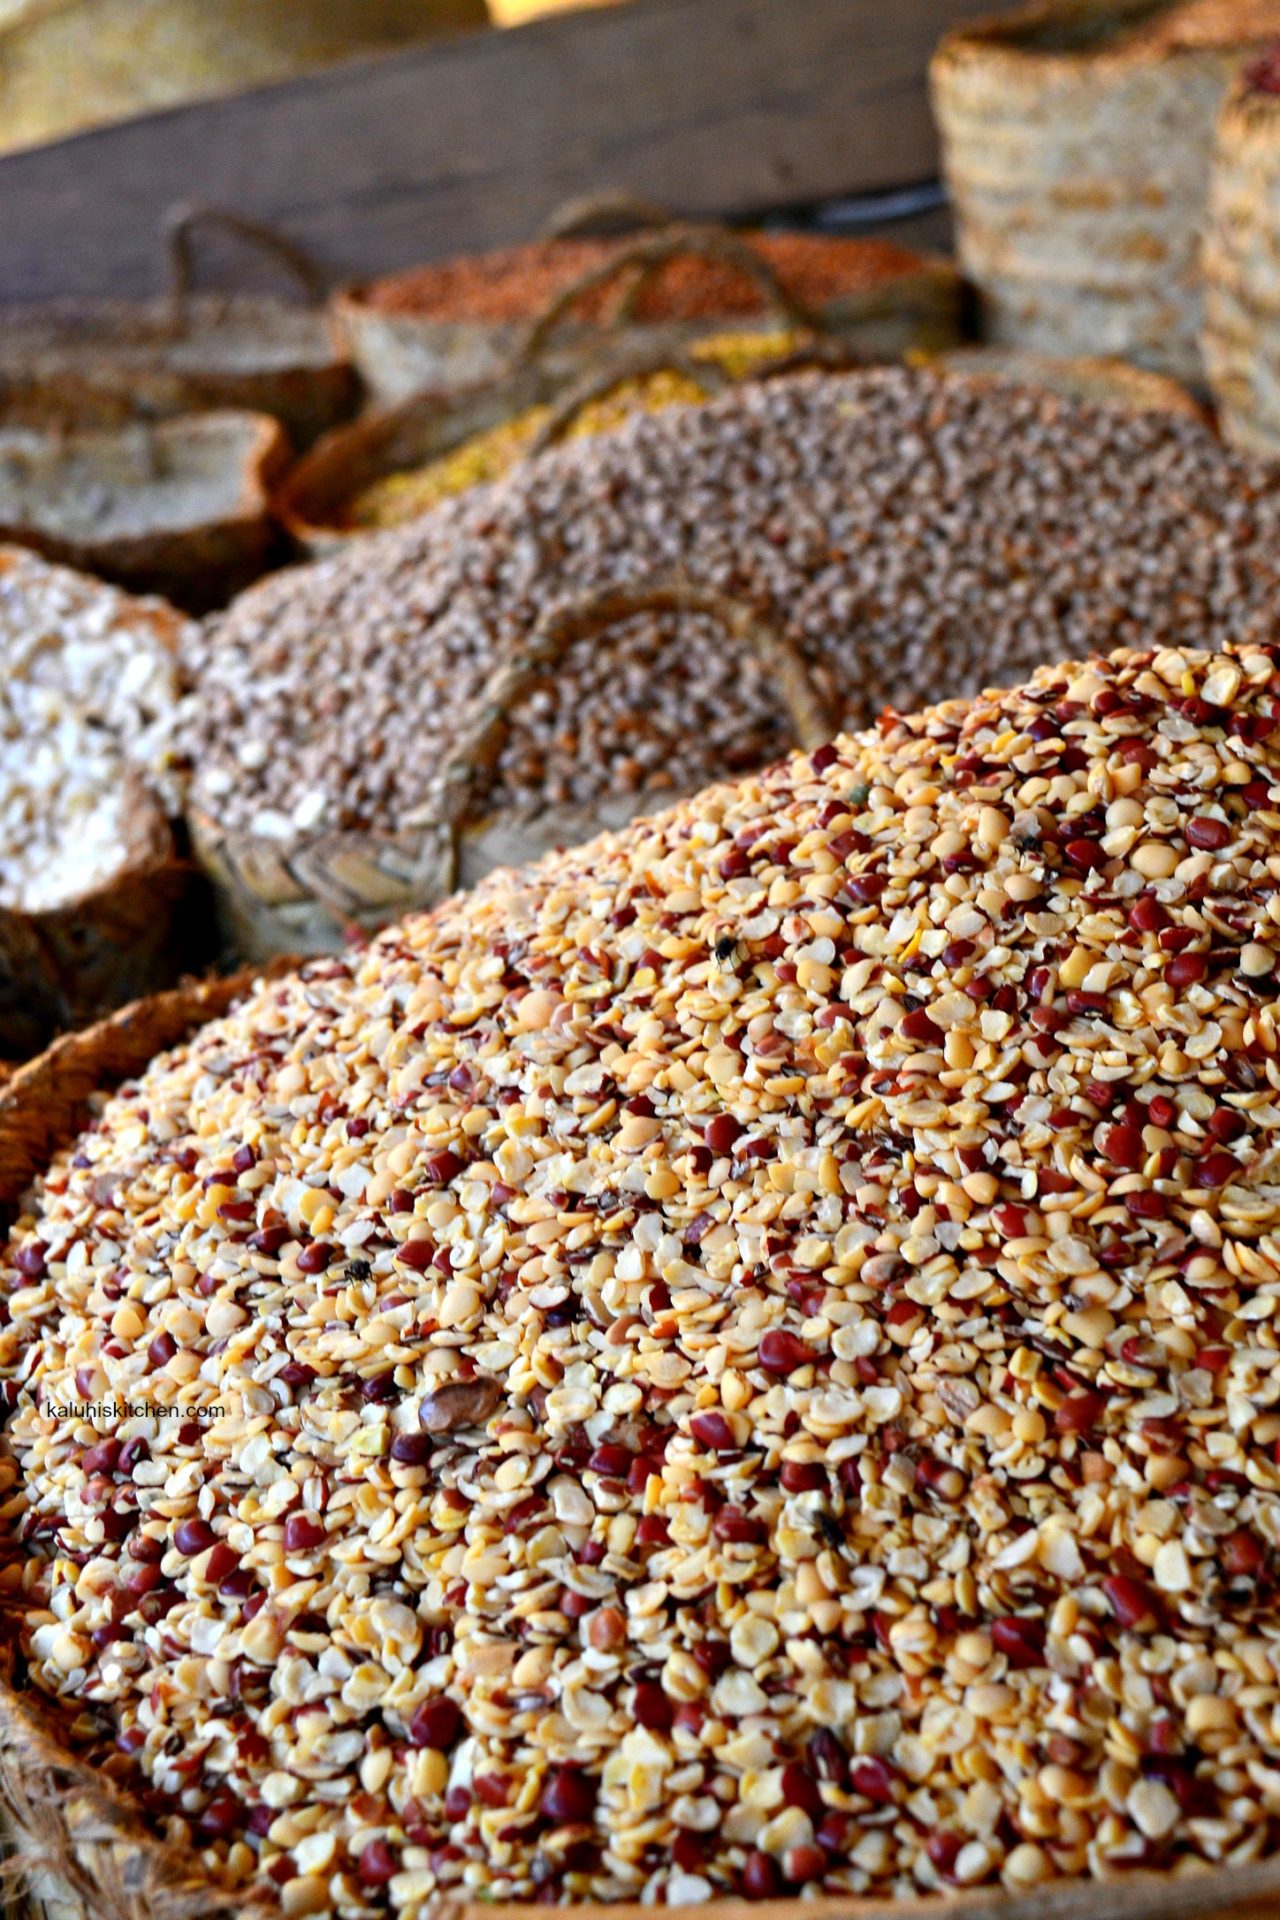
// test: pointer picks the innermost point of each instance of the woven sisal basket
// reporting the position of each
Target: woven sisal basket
(97, 363)
(402, 353)
(315, 894)
(1242, 263)
(1077, 137)
(86, 1850)
(177, 507)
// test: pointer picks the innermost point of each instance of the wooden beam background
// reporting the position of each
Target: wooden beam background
(710, 106)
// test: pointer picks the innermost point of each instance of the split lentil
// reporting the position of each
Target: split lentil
(748, 1354)
(906, 530)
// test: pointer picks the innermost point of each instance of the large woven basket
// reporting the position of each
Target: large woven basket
(88, 1850)
(316, 894)
(403, 353)
(1242, 267)
(1077, 137)
(97, 363)
(177, 507)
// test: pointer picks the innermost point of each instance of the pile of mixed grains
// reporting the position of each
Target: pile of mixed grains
(909, 532)
(742, 1360)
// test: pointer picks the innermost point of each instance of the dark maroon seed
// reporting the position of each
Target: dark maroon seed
(162, 1349)
(802, 1476)
(875, 1780)
(651, 1707)
(568, 1798)
(1207, 834)
(436, 1723)
(1131, 1600)
(32, 1260)
(1123, 1147)
(193, 1536)
(800, 1789)
(102, 1458)
(761, 1879)
(782, 1353)
(316, 1257)
(1215, 1170)
(1185, 970)
(713, 1431)
(302, 1531)
(1020, 1640)
(722, 1133)
(412, 1449)
(377, 1864)
(439, 1168)
(1080, 1412)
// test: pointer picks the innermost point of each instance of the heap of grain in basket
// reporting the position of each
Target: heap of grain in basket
(461, 320)
(744, 1357)
(88, 877)
(900, 532)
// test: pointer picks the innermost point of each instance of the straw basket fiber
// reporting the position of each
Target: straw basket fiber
(1242, 263)
(1077, 138)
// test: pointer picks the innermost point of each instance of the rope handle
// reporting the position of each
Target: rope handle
(180, 226)
(600, 383)
(603, 213)
(593, 614)
(642, 258)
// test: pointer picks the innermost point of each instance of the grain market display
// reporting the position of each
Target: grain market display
(745, 1356)
(902, 531)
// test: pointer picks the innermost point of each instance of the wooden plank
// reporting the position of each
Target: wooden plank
(711, 106)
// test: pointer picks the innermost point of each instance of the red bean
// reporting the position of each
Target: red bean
(723, 1133)
(377, 1864)
(802, 1476)
(568, 1797)
(316, 1257)
(31, 1260)
(1131, 1600)
(162, 1349)
(1185, 970)
(1020, 1640)
(436, 1723)
(917, 1025)
(193, 1536)
(1080, 1412)
(760, 1877)
(1215, 1170)
(782, 1353)
(800, 1789)
(1207, 834)
(875, 1779)
(439, 1168)
(302, 1531)
(652, 1708)
(732, 1523)
(712, 1430)
(417, 1255)
(1243, 1554)
(412, 1449)
(1146, 915)
(102, 1458)
(1123, 1147)
(800, 1864)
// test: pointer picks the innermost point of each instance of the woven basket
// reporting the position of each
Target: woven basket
(315, 502)
(1077, 137)
(87, 363)
(316, 894)
(1242, 269)
(67, 965)
(193, 493)
(399, 354)
(87, 1849)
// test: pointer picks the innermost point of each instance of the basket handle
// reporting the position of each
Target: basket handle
(180, 225)
(599, 384)
(641, 258)
(594, 614)
(593, 214)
